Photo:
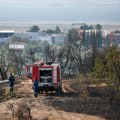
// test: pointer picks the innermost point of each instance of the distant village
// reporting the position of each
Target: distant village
(6, 36)
(111, 38)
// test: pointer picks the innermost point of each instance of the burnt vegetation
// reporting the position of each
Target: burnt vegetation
(89, 99)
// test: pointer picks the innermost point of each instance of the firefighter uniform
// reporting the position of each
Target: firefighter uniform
(11, 82)
(35, 87)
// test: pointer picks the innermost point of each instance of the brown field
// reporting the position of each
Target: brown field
(24, 26)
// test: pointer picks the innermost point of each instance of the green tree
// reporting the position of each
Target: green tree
(57, 30)
(34, 28)
(107, 41)
(99, 39)
(94, 48)
(49, 31)
(73, 36)
(98, 70)
(86, 27)
(107, 68)
(98, 27)
(90, 27)
(117, 31)
(112, 66)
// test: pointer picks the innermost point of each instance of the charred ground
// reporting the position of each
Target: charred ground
(73, 104)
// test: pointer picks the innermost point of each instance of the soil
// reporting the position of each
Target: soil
(68, 106)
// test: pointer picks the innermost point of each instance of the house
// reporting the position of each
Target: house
(5, 35)
(114, 39)
(58, 39)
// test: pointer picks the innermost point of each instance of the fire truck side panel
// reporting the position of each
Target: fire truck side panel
(58, 74)
(55, 75)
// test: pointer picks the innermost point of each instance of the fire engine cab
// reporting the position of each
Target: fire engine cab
(48, 75)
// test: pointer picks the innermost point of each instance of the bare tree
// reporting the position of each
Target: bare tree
(50, 52)
(4, 61)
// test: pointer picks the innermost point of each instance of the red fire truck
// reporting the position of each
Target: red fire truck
(48, 75)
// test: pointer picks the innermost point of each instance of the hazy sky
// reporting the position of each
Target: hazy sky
(60, 10)
(59, 2)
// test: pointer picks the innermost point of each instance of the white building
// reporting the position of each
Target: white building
(17, 46)
(58, 38)
(5, 35)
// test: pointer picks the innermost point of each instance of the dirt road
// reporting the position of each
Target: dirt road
(48, 107)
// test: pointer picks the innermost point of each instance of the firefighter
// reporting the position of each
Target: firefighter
(11, 82)
(35, 87)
